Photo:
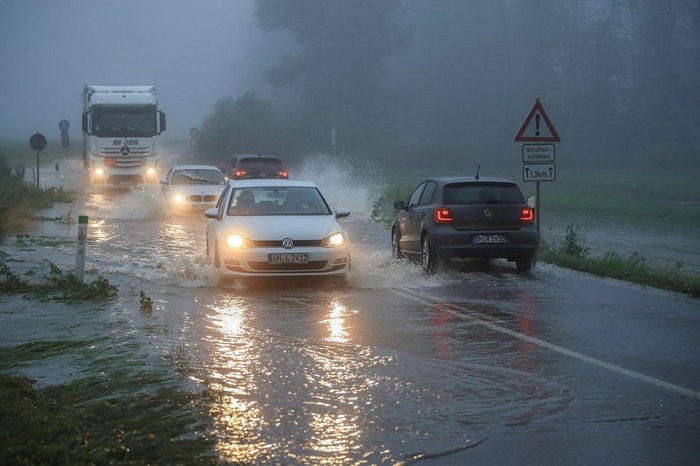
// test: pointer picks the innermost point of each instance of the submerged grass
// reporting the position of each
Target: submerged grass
(101, 421)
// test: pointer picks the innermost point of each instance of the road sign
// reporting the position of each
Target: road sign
(194, 132)
(537, 127)
(37, 142)
(539, 172)
(538, 152)
(63, 125)
(194, 142)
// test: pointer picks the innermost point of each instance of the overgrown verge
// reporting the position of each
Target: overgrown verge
(101, 421)
(18, 199)
(571, 252)
(57, 286)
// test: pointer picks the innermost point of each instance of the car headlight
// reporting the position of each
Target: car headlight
(99, 172)
(238, 242)
(333, 241)
(151, 171)
(179, 198)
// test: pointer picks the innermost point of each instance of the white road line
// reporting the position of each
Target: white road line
(483, 320)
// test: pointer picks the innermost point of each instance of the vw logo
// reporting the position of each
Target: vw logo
(125, 151)
(287, 243)
(488, 213)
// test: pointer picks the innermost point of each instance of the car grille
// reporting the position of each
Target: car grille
(200, 198)
(264, 266)
(278, 243)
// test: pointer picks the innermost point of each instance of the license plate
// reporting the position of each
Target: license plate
(286, 258)
(489, 239)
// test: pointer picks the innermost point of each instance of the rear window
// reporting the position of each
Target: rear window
(261, 163)
(483, 193)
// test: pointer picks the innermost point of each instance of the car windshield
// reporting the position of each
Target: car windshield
(482, 193)
(197, 176)
(277, 200)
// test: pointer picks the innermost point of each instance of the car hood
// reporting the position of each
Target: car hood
(277, 227)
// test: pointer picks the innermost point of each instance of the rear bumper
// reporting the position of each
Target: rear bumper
(459, 244)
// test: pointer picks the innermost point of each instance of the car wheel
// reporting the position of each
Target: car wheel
(429, 260)
(396, 252)
(526, 263)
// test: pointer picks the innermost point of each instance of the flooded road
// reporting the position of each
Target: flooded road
(477, 365)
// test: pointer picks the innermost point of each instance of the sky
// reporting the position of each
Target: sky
(192, 51)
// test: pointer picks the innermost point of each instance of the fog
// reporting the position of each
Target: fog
(614, 77)
(195, 52)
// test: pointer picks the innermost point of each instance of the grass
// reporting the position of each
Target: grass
(571, 253)
(105, 420)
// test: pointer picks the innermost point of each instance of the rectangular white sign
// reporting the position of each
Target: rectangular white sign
(538, 152)
(539, 172)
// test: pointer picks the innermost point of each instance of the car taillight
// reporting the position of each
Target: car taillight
(283, 174)
(240, 173)
(527, 215)
(443, 215)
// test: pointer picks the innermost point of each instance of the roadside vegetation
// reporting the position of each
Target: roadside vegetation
(20, 198)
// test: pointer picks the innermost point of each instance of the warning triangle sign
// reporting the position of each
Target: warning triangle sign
(537, 127)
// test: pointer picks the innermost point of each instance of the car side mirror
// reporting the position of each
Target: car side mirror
(342, 212)
(212, 213)
(399, 205)
(532, 202)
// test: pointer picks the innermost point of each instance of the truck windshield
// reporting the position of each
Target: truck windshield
(124, 122)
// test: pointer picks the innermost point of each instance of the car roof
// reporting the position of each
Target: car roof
(271, 182)
(469, 179)
(195, 167)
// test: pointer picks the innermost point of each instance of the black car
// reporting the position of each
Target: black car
(244, 167)
(465, 217)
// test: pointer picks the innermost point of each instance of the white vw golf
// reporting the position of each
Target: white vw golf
(276, 227)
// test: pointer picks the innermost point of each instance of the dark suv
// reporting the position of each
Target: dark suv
(242, 167)
(465, 217)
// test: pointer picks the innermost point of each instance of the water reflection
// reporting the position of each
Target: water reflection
(337, 331)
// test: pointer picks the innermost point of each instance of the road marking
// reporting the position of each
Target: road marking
(483, 320)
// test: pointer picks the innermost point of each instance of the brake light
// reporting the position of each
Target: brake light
(527, 214)
(443, 215)
(283, 174)
(240, 173)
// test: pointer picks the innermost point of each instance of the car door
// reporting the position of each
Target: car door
(409, 222)
(423, 212)
(213, 225)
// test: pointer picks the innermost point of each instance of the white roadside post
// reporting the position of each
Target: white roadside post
(82, 240)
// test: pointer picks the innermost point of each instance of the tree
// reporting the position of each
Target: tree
(245, 125)
(339, 70)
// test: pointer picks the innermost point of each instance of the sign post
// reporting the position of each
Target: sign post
(538, 159)
(38, 143)
(80, 252)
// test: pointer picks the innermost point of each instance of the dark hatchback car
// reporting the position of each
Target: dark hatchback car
(245, 167)
(465, 217)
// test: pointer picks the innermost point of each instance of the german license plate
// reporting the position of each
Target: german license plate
(287, 258)
(489, 239)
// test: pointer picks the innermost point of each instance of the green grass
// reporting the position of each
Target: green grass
(105, 420)
(571, 253)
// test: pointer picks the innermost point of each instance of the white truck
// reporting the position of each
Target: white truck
(121, 130)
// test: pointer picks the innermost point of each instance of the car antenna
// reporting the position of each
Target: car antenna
(477, 172)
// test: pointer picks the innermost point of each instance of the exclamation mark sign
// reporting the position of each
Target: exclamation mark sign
(537, 124)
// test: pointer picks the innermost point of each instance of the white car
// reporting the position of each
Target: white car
(193, 188)
(276, 227)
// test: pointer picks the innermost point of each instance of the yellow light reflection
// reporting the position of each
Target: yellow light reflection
(232, 380)
(337, 332)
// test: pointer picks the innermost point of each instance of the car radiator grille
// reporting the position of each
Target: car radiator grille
(264, 266)
(200, 198)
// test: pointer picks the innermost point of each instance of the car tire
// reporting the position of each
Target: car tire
(429, 259)
(396, 251)
(526, 263)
